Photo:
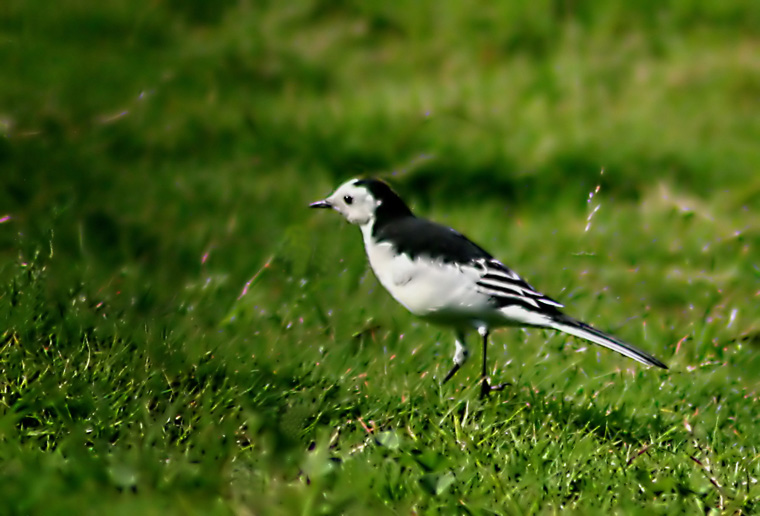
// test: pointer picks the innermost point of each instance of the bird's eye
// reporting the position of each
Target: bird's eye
(348, 199)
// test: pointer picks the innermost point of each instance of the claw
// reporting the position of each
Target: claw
(486, 388)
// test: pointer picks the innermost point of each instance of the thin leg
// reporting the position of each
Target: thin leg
(460, 355)
(485, 387)
(484, 333)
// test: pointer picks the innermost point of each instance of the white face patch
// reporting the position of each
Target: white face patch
(355, 203)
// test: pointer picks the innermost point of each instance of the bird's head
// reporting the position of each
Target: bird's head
(362, 201)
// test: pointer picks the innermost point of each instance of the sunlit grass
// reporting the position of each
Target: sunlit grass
(181, 334)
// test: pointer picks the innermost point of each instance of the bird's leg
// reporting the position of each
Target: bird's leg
(460, 355)
(485, 387)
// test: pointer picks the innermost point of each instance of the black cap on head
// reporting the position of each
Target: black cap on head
(391, 205)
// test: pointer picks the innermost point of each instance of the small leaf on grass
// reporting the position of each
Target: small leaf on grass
(435, 483)
(430, 460)
(123, 475)
(390, 439)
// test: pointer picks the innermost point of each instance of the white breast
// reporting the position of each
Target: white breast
(428, 288)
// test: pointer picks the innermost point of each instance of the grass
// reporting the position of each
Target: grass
(181, 335)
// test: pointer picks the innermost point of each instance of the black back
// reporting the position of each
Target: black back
(415, 236)
(419, 237)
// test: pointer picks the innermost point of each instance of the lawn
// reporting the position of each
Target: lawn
(179, 334)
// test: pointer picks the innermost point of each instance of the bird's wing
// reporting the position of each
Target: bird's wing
(417, 237)
(506, 288)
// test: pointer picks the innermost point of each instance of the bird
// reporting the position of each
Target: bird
(440, 275)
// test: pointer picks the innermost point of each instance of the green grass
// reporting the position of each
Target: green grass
(179, 334)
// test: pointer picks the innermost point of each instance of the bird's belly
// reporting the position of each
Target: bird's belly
(429, 288)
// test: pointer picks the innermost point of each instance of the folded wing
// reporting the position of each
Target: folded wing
(506, 287)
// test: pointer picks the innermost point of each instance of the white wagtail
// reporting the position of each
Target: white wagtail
(439, 274)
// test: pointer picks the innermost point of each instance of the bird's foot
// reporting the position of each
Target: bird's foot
(486, 388)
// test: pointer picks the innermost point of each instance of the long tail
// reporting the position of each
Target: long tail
(584, 331)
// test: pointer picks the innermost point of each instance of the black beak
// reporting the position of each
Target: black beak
(320, 204)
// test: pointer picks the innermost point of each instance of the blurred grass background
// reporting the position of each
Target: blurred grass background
(180, 335)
